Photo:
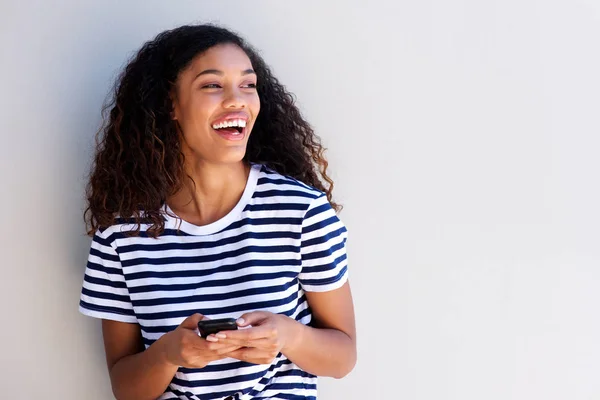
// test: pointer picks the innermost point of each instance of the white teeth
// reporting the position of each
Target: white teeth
(231, 123)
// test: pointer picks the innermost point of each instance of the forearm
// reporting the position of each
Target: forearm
(323, 352)
(142, 376)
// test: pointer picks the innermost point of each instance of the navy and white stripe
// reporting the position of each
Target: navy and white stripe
(281, 240)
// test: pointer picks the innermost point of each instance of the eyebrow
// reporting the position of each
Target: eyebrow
(249, 71)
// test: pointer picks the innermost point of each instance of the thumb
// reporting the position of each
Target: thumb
(192, 321)
(252, 318)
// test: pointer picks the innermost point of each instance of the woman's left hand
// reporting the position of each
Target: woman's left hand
(268, 335)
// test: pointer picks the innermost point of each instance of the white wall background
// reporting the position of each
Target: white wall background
(464, 141)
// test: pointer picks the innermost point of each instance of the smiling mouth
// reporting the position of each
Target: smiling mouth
(232, 133)
(235, 130)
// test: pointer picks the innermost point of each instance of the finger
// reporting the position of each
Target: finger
(191, 322)
(263, 344)
(247, 335)
(252, 318)
(255, 356)
(227, 350)
(215, 347)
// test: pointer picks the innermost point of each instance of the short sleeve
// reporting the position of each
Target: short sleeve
(104, 293)
(323, 248)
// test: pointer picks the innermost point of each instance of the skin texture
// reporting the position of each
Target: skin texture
(217, 177)
(214, 163)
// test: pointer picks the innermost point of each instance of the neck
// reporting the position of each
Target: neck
(211, 193)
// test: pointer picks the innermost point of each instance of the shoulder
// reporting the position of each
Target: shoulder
(272, 183)
(125, 228)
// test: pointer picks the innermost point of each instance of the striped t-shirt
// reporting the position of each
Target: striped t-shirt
(281, 240)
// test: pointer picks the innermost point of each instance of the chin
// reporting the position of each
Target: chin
(233, 157)
(219, 155)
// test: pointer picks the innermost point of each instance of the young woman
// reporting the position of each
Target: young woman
(209, 198)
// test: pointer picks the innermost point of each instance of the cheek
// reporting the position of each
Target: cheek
(255, 104)
(199, 111)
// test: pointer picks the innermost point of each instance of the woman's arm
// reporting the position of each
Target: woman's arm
(139, 374)
(327, 349)
(135, 373)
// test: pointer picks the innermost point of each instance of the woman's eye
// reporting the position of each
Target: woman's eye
(212, 86)
(251, 85)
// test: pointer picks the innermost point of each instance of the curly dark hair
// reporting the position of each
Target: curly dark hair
(139, 163)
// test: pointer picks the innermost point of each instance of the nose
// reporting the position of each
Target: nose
(234, 99)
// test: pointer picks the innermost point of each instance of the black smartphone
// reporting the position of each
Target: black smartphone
(210, 326)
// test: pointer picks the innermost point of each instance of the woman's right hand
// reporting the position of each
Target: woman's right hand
(183, 347)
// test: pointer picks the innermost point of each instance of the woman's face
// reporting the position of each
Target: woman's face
(216, 103)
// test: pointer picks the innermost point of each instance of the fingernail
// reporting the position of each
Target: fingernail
(221, 335)
(241, 321)
(211, 338)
